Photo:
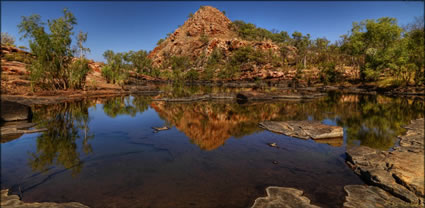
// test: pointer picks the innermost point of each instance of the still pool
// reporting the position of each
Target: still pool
(104, 152)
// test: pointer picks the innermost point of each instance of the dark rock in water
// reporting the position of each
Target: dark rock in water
(283, 197)
(303, 129)
(361, 196)
(11, 111)
(399, 172)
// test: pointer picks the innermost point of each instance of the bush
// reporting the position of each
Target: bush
(192, 75)
(107, 73)
(9, 57)
(7, 39)
(160, 41)
(79, 70)
(328, 73)
(204, 39)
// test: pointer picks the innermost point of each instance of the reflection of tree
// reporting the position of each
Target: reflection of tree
(125, 106)
(65, 124)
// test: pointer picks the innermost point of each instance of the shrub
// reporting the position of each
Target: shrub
(204, 39)
(328, 73)
(79, 70)
(192, 75)
(9, 57)
(160, 41)
(7, 39)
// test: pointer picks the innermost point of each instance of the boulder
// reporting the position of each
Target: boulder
(11, 111)
(303, 129)
(283, 197)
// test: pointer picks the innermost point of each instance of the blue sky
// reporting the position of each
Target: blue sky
(124, 26)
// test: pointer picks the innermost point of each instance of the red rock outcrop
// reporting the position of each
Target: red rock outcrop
(209, 29)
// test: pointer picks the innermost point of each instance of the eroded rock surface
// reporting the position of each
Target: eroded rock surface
(399, 172)
(13, 201)
(361, 196)
(283, 197)
(303, 129)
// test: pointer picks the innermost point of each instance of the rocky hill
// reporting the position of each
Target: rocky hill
(209, 29)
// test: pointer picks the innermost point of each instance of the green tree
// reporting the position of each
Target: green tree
(117, 67)
(415, 48)
(139, 60)
(53, 54)
(82, 38)
(302, 43)
(375, 43)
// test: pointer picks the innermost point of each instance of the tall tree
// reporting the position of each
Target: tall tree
(51, 67)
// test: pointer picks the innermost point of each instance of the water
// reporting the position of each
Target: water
(104, 152)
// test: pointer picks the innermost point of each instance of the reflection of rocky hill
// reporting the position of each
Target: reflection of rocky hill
(372, 120)
(210, 124)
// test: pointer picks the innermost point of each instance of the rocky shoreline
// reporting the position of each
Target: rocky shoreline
(395, 178)
(13, 201)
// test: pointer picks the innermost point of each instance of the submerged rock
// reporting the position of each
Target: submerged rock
(12, 128)
(11, 111)
(303, 129)
(283, 197)
(13, 201)
(399, 172)
(156, 129)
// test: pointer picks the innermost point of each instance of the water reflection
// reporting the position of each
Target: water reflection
(125, 106)
(65, 123)
(124, 160)
(374, 121)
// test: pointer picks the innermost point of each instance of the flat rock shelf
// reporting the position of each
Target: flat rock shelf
(303, 129)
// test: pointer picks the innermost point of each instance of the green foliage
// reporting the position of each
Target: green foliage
(51, 67)
(117, 67)
(79, 70)
(415, 49)
(192, 75)
(82, 38)
(328, 73)
(160, 41)
(247, 54)
(7, 39)
(249, 31)
(377, 43)
(179, 64)
(204, 38)
(140, 61)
